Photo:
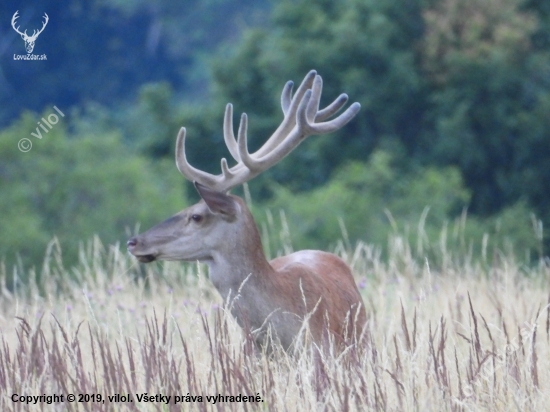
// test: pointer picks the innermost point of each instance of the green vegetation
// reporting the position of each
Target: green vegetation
(72, 187)
(455, 120)
(369, 202)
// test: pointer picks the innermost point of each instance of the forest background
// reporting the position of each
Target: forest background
(454, 130)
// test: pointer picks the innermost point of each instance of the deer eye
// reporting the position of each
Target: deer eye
(196, 218)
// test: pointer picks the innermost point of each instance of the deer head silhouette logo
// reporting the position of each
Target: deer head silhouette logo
(29, 40)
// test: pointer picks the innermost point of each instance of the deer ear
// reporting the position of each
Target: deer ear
(218, 202)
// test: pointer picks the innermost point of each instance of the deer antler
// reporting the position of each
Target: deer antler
(302, 118)
(35, 33)
(13, 20)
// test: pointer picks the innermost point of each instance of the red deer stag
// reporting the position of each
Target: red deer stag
(279, 295)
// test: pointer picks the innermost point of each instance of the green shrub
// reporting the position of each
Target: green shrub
(371, 201)
(73, 187)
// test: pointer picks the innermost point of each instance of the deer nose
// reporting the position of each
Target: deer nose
(132, 242)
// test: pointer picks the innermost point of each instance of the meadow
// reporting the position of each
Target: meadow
(452, 332)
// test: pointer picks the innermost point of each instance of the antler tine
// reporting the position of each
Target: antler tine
(35, 32)
(188, 171)
(302, 89)
(45, 23)
(247, 160)
(224, 182)
(286, 96)
(332, 108)
(13, 22)
(228, 135)
(337, 123)
(313, 106)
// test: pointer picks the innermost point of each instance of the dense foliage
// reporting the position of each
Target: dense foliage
(102, 51)
(455, 116)
(73, 187)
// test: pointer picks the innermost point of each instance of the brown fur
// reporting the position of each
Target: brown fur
(327, 282)
(277, 295)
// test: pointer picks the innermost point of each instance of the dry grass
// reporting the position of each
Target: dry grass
(469, 336)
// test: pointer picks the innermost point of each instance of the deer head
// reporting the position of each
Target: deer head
(29, 40)
(205, 220)
(220, 230)
(195, 233)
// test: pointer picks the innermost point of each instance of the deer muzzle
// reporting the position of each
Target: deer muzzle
(133, 246)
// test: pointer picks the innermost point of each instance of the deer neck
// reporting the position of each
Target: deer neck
(241, 264)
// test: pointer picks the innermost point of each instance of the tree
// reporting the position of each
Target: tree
(103, 51)
(73, 187)
(365, 48)
(490, 101)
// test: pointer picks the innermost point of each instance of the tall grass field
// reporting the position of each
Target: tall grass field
(445, 333)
